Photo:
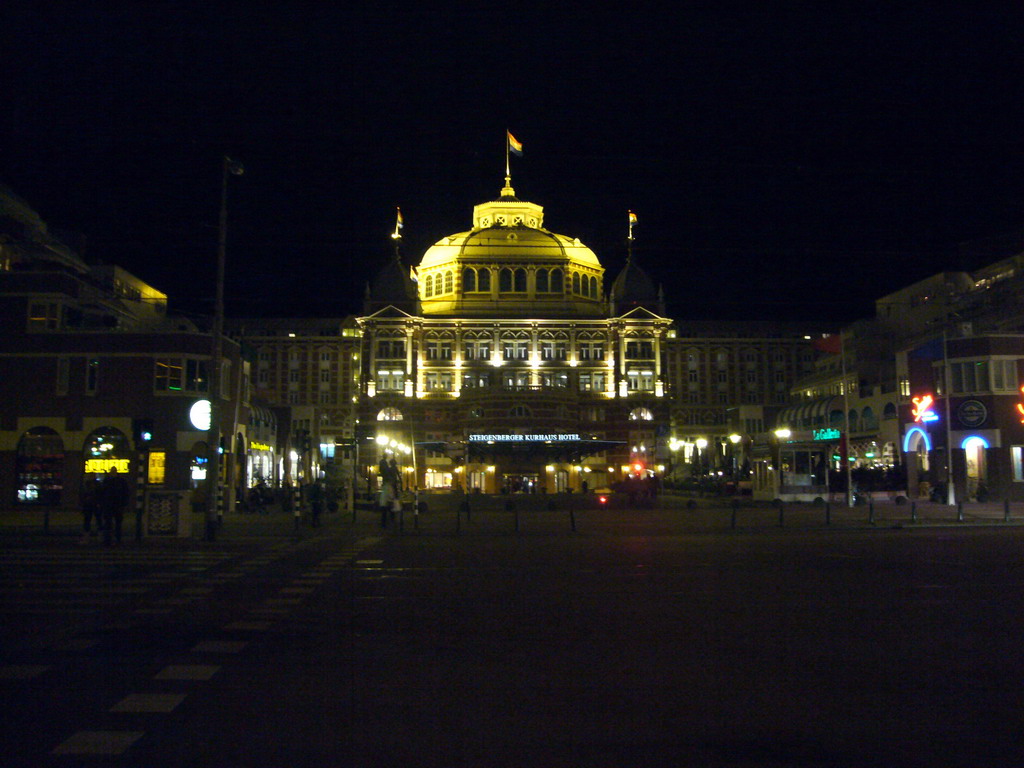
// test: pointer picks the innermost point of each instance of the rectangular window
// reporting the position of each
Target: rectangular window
(63, 375)
(446, 350)
(547, 350)
(169, 374)
(469, 350)
(43, 316)
(476, 380)
(196, 376)
(561, 350)
(433, 350)
(390, 381)
(439, 382)
(325, 376)
(92, 376)
(293, 376)
(640, 381)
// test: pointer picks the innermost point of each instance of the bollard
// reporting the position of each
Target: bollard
(913, 511)
(1006, 510)
(517, 519)
(828, 513)
(458, 519)
(871, 513)
(735, 507)
(46, 520)
(140, 498)
(401, 519)
(572, 518)
(782, 514)
(959, 511)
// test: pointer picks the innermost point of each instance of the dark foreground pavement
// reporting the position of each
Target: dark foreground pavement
(631, 641)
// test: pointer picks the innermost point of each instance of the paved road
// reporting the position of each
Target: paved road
(628, 642)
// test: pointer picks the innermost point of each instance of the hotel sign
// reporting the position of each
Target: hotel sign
(826, 434)
(101, 466)
(563, 438)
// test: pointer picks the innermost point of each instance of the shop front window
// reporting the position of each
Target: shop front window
(39, 467)
(105, 449)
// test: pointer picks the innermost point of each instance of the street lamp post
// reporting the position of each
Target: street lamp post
(228, 168)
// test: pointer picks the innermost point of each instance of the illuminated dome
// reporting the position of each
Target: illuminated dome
(509, 263)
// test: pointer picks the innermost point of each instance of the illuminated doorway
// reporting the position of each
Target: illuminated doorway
(974, 454)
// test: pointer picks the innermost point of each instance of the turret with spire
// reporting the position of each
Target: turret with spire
(392, 285)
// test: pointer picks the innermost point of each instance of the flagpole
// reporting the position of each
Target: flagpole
(508, 173)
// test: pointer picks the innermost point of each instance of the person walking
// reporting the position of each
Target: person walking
(387, 491)
(113, 498)
(91, 508)
(316, 502)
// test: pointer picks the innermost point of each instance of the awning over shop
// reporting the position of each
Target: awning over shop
(812, 413)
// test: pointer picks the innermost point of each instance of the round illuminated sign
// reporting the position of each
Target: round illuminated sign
(972, 413)
(200, 415)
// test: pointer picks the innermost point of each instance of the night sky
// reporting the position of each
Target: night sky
(792, 163)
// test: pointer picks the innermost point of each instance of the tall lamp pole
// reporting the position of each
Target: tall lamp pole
(228, 168)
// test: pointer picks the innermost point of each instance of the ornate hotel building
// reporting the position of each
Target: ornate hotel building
(512, 365)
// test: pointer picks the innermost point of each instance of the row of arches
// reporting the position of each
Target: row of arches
(511, 280)
(391, 413)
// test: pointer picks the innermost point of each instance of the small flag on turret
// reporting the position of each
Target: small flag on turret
(514, 145)
(399, 223)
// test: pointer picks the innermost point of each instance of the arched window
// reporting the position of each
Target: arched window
(889, 412)
(505, 280)
(449, 285)
(483, 279)
(542, 281)
(592, 288)
(389, 414)
(520, 280)
(428, 286)
(867, 419)
(576, 283)
(468, 280)
(556, 281)
(641, 414)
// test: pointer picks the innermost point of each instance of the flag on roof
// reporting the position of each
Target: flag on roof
(514, 145)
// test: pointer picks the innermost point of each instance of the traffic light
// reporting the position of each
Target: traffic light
(142, 430)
